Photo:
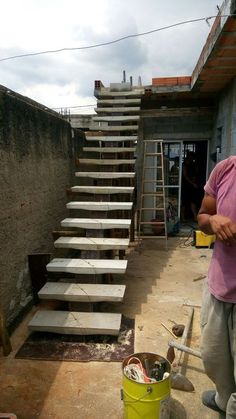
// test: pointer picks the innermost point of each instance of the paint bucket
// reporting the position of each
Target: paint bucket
(146, 400)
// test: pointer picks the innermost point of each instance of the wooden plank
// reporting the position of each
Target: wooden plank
(76, 323)
(100, 206)
(87, 266)
(91, 243)
(110, 149)
(112, 138)
(105, 175)
(96, 224)
(81, 292)
(4, 337)
(103, 162)
(103, 189)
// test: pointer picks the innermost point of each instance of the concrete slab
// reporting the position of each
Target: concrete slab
(118, 101)
(128, 109)
(104, 162)
(103, 189)
(107, 138)
(118, 128)
(81, 292)
(96, 224)
(100, 206)
(123, 118)
(91, 243)
(76, 323)
(105, 175)
(110, 149)
(87, 266)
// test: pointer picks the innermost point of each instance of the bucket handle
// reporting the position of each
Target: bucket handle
(123, 392)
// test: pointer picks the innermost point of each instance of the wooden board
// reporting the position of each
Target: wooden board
(96, 224)
(100, 206)
(76, 323)
(87, 266)
(81, 292)
(91, 243)
(102, 189)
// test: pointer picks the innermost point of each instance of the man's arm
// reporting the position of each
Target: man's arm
(212, 223)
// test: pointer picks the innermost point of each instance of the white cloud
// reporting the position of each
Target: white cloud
(66, 78)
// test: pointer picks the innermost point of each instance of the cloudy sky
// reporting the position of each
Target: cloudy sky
(66, 79)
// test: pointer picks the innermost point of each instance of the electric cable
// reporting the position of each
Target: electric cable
(79, 106)
(188, 240)
(123, 38)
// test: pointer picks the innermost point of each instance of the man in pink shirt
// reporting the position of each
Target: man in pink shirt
(217, 216)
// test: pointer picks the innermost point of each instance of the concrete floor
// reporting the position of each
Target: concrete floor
(159, 283)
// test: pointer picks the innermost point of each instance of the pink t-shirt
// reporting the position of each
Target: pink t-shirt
(222, 271)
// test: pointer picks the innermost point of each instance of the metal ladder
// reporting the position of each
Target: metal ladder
(152, 211)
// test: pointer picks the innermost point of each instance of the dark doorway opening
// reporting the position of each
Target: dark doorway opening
(194, 164)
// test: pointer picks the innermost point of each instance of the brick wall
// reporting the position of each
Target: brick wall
(37, 152)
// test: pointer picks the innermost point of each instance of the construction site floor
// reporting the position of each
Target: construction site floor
(161, 287)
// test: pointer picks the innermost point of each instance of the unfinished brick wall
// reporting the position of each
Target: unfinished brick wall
(37, 155)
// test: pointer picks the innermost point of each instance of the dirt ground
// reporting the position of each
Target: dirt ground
(160, 286)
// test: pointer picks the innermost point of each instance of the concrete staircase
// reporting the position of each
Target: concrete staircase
(106, 215)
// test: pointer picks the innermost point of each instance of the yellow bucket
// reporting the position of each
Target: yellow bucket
(146, 400)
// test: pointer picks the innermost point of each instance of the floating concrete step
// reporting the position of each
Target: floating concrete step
(76, 323)
(115, 128)
(117, 109)
(112, 138)
(122, 118)
(105, 175)
(110, 149)
(118, 101)
(108, 162)
(87, 266)
(103, 93)
(100, 206)
(91, 243)
(81, 292)
(102, 189)
(96, 224)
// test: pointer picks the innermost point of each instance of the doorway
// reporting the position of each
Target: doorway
(175, 154)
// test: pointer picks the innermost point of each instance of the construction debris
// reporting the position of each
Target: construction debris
(169, 330)
(178, 329)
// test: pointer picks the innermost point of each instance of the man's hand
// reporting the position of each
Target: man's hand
(224, 229)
